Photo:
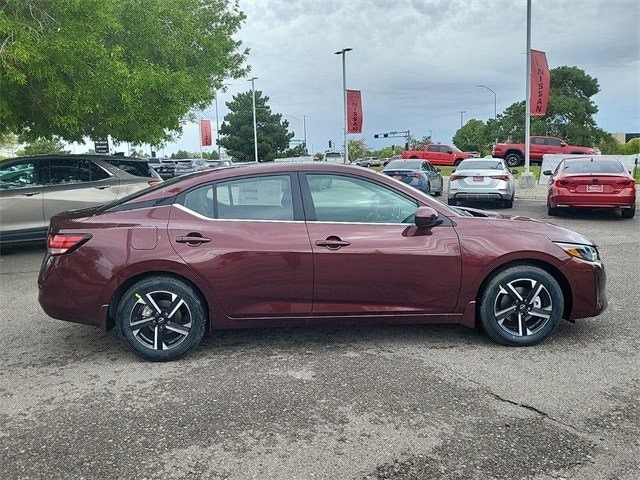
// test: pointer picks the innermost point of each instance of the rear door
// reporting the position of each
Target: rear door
(77, 183)
(21, 204)
(368, 256)
(247, 241)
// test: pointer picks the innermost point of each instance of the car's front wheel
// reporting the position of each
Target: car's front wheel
(521, 305)
(514, 159)
(161, 318)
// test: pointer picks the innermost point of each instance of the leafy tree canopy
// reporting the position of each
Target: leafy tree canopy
(129, 69)
(569, 116)
(357, 149)
(42, 146)
(237, 129)
(416, 144)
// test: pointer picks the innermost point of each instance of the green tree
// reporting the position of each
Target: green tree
(416, 144)
(472, 137)
(43, 146)
(129, 69)
(237, 130)
(357, 149)
(183, 154)
(212, 155)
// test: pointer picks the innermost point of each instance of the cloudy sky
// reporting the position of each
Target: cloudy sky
(418, 62)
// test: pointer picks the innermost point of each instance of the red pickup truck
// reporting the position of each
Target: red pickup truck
(438, 154)
(513, 153)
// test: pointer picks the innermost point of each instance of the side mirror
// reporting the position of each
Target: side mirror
(563, 144)
(547, 172)
(426, 217)
(449, 151)
(514, 171)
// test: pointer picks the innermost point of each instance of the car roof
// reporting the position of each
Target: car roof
(77, 155)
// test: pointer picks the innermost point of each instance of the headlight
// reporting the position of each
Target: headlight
(584, 252)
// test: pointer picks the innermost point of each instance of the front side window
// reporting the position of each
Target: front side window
(433, 148)
(555, 142)
(350, 199)
(18, 175)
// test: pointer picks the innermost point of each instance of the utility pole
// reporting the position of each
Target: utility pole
(255, 127)
(461, 113)
(344, 94)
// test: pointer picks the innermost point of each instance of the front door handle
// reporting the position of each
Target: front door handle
(29, 194)
(332, 243)
(192, 239)
(102, 187)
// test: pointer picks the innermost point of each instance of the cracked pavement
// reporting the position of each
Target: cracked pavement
(407, 402)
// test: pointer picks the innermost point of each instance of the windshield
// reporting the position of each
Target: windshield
(403, 165)
(593, 166)
(481, 165)
(332, 155)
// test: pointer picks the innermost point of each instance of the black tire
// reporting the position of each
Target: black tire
(628, 212)
(452, 201)
(428, 189)
(457, 162)
(514, 159)
(553, 211)
(521, 305)
(507, 203)
(169, 314)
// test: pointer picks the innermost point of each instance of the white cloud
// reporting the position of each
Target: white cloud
(418, 62)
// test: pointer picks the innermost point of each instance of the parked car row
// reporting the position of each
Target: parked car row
(169, 168)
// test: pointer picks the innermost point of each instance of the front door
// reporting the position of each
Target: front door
(369, 258)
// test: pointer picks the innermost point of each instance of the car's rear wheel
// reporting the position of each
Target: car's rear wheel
(521, 305)
(628, 212)
(161, 318)
(508, 203)
(457, 162)
(514, 159)
(553, 211)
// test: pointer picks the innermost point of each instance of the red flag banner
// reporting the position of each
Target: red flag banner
(205, 133)
(540, 84)
(354, 111)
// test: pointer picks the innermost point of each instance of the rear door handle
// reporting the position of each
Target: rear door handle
(29, 194)
(102, 187)
(332, 243)
(192, 239)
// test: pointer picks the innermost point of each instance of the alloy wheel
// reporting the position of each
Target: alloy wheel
(522, 306)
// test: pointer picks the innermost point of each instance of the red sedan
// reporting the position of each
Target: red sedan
(308, 244)
(591, 183)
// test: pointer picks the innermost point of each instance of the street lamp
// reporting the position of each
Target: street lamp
(495, 101)
(217, 126)
(344, 92)
(255, 127)
(304, 127)
(461, 113)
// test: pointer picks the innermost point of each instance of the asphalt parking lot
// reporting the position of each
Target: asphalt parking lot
(408, 402)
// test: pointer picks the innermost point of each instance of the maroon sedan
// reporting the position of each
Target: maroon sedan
(591, 183)
(308, 244)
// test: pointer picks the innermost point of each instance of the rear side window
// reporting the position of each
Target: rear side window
(74, 170)
(137, 168)
(257, 198)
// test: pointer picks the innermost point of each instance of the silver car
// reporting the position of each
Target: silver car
(482, 179)
(33, 189)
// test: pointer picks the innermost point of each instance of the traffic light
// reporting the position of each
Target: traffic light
(386, 135)
(406, 146)
(376, 136)
(329, 143)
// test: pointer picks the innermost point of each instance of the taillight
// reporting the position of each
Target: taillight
(65, 242)
(562, 183)
(456, 177)
(626, 183)
(501, 177)
(153, 182)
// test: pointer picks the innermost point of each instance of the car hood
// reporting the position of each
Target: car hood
(538, 227)
(528, 225)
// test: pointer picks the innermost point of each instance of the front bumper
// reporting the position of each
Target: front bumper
(588, 285)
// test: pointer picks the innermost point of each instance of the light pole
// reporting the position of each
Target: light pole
(461, 113)
(255, 127)
(344, 94)
(304, 127)
(217, 126)
(495, 101)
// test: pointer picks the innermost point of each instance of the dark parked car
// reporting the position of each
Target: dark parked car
(419, 174)
(256, 246)
(32, 189)
(165, 167)
(591, 183)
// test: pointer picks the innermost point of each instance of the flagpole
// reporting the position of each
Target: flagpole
(344, 95)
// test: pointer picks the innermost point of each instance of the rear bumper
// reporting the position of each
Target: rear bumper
(480, 194)
(577, 200)
(69, 290)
